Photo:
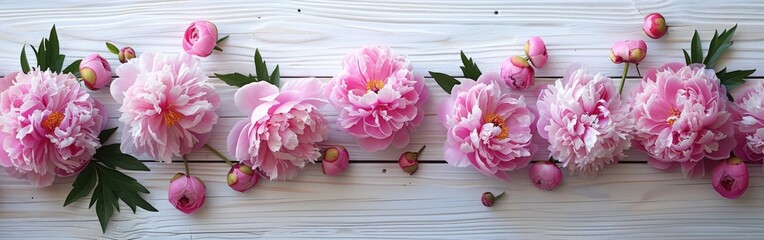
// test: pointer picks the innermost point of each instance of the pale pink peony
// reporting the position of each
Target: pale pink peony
(682, 118)
(488, 127)
(49, 126)
(168, 107)
(749, 120)
(283, 128)
(378, 97)
(585, 121)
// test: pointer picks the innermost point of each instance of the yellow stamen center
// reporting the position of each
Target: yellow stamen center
(673, 116)
(171, 117)
(52, 121)
(375, 85)
(499, 122)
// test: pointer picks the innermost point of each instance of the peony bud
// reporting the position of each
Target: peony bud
(186, 193)
(336, 160)
(517, 73)
(489, 199)
(241, 177)
(655, 25)
(95, 72)
(200, 38)
(546, 175)
(631, 51)
(730, 178)
(535, 49)
(409, 161)
(125, 54)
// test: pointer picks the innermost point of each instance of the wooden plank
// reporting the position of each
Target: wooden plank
(313, 40)
(440, 201)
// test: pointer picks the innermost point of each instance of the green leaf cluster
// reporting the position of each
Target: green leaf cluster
(108, 184)
(469, 68)
(261, 71)
(48, 56)
(719, 44)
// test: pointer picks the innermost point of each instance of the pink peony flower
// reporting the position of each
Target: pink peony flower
(682, 118)
(378, 97)
(186, 193)
(49, 126)
(168, 108)
(730, 178)
(283, 128)
(517, 73)
(749, 120)
(200, 38)
(487, 127)
(585, 121)
(242, 177)
(125, 54)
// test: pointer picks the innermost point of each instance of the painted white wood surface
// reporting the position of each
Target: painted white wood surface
(309, 38)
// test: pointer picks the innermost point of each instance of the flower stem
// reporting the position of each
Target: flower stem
(220, 155)
(418, 153)
(185, 165)
(499, 196)
(623, 77)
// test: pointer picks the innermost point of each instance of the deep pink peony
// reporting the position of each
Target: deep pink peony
(200, 38)
(168, 108)
(488, 127)
(378, 97)
(186, 193)
(749, 121)
(49, 126)
(682, 118)
(585, 121)
(283, 128)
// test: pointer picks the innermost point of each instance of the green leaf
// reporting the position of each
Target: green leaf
(74, 67)
(445, 81)
(111, 156)
(222, 39)
(470, 68)
(687, 59)
(54, 60)
(697, 49)
(216, 48)
(275, 77)
(104, 207)
(106, 134)
(85, 182)
(113, 49)
(236, 79)
(24, 61)
(260, 67)
(717, 48)
(733, 79)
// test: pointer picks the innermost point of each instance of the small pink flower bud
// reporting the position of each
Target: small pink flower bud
(242, 177)
(535, 49)
(655, 25)
(95, 72)
(125, 54)
(489, 199)
(336, 159)
(186, 193)
(200, 38)
(730, 178)
(546, 175)
(409, 161)
(631, 51)
(517, 73)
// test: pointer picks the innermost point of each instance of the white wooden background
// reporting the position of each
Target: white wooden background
(373, 199)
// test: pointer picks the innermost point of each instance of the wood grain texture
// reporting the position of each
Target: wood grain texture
(374, 199)
(627, 201)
